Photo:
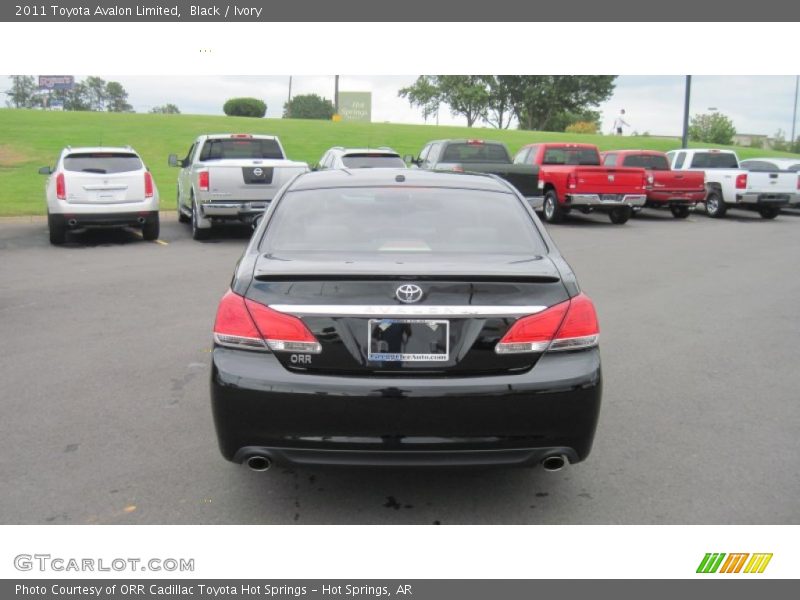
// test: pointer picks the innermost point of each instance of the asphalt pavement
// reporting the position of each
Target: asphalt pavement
(106, 417)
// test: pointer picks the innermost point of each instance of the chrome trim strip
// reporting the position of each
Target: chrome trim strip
(394, 310)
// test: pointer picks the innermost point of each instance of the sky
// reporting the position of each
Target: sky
(653, 104)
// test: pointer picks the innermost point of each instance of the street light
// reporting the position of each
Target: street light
(685, 138)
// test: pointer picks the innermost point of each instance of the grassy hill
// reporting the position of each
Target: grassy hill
(30, 139)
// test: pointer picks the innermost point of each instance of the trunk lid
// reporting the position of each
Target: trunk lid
(249, 179)
(608, 180)
(677, 181)
(354, 309)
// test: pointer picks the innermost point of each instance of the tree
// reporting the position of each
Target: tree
(714, 128)
(563, 120)
(75, 99)
(167, 109)
(500, 111)
(245, 107)
(466, 95)
(308, 106)
(95, 92)
(23, 92)
(537, 99)
(424, 94)
(117, 98)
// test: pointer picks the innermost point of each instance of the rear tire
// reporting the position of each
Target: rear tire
(715, 206)
(151, 229)
(197, 233)
(551, 211)
(768, 212)
(620, 215)
(58, 230)
(182, 218)
(679, 212)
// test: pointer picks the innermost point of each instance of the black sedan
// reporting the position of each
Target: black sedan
(407, 318)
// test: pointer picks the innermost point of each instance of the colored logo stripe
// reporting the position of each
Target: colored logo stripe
(758, 563)
(733, 564)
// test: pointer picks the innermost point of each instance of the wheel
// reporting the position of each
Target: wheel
(197, 232)
(182, 218)
(151, 228)
(768, 212)
(550, 209)
(620, 215)
(58, 230)
(715, 207)
(679, 212)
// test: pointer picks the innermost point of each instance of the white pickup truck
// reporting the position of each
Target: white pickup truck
(730, 186)
(230, 178)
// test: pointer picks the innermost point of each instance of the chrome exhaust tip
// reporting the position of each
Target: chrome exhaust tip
(72, 222)
(141, 220)
(554, 463)
(259, 463)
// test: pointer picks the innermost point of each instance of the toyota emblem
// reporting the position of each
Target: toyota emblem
(409, 293)
(258, 171)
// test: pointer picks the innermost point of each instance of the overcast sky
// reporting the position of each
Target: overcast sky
(757, 104)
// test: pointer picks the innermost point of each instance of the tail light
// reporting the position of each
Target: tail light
(61, 187)
(571, 181)
(248, 325)
(203, 181)
(798, 182)
(458, 168)
(741, 181)
(148, 185)
(570, 325)
(648, 182)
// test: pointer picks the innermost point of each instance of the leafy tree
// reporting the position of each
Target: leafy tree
(75, 99)
(23, 92)
(466, 95)
(424, 94)
(96, 93)
(167, 109)
(537, 99)
(308, 106)
(499, 110)
(713, 128)
(245, 107)
(117, 98)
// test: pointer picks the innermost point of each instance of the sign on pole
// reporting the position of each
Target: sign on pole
(56, 82)
(355, 106)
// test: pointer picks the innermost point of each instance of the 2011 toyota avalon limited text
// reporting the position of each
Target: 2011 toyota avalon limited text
(408, 318)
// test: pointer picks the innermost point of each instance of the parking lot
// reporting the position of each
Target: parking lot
(106, 418)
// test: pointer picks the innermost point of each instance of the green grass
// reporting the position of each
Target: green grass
(30, 139)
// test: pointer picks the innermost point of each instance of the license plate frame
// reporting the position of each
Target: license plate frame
(380, 350)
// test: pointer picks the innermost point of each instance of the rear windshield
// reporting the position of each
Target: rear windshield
(571, 156)
(365, 161)
(647, 161)
(714, 160)
(102, 162)
(240, 148)
(475, 153)
(388, 220)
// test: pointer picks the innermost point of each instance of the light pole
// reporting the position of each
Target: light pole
(685, 138)
(336, 96)
(794, 113)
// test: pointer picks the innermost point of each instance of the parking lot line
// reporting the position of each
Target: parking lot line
(139, 235)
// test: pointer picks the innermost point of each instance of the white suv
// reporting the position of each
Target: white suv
(100, 187)
(360, 158)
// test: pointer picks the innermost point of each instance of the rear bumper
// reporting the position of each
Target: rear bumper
(234, 210)
(260, 407)
(764, 199)
(664, 199)
(99, 221)
(599, 201)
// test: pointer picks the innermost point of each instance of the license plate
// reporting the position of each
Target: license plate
(609, 198)
(408, 340)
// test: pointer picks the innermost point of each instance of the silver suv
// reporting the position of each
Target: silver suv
(360, 158)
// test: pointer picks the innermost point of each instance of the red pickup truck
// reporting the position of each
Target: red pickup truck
(571, 178)
(676, 190)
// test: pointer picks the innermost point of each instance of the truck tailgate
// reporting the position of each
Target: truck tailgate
(609, 180)
(678, 181)
(248, 180)
(771, 182)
